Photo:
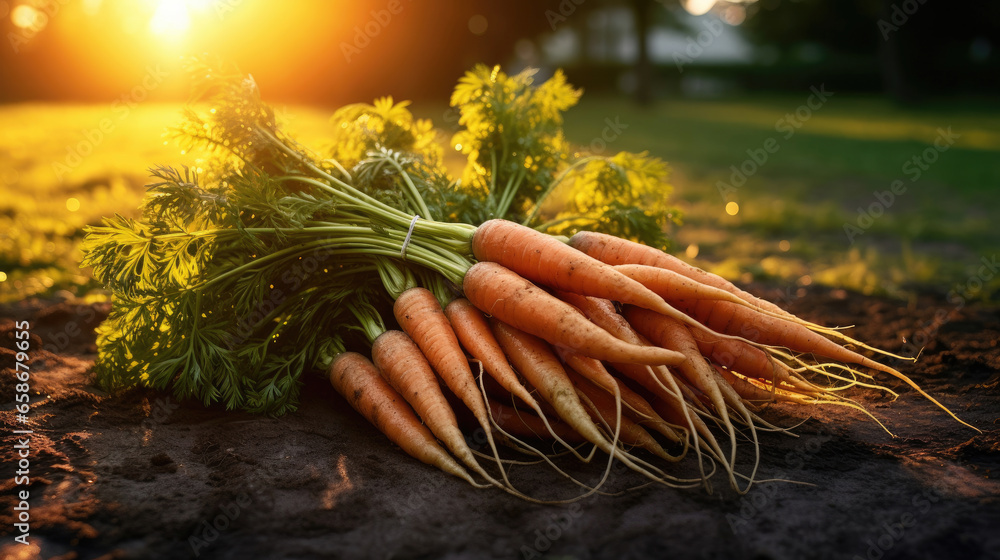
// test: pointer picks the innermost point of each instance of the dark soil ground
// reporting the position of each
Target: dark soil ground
(143, 475)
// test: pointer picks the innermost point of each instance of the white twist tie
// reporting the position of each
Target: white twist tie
(409, 234)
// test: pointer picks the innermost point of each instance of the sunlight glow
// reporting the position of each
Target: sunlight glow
(171, 18)
(27, 17)
(698, 7)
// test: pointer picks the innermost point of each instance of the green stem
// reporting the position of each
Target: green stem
(456, 237)
(493, 174)
(552, 186)
(513, 185)
(395, 279)
(369, 321)
(414, 193)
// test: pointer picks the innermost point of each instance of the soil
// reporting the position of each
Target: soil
(144, 475)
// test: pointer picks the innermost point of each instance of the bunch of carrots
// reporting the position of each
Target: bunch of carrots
(594, 339)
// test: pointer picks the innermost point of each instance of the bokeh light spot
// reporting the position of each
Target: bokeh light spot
(732, 208)
(691, 251)
(72, 204)
(478, 24)
(3, 276)
(784, 245)
(27, 17)
(698, 7)
(734, 15)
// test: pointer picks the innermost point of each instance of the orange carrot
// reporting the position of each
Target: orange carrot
(740, 321)
(357, 379)
(603, 408)
(675, 287)
(658, 380)
(752, 393)
(541, 258)
(525, 424)
(419, 314)
(667, 332)
(474, 333)
(602, 312)
(615, 250)
(502, 293)
(596, 373)
(540, 366)
(401, 363)
(750, 361)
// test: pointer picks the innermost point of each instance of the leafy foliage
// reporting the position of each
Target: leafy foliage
(624, 195)
(513, 135)
(237, 280)
(360, 128)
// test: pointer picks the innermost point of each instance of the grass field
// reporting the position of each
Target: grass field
(65, 166)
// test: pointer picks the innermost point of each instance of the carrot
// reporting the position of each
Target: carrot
(667, 332)
(675, 287)
(541, 258)
(540, 366)
(658, 380)
(736, 320)
(750, 361)
(664, 331)
(525, 424)
(536, 362)
(753, 393)
(615, 251)
(502, 293)
(474, 333)
(603, 408)
(419, 313)
(357, 379)
(402, 364)
(596, 373)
